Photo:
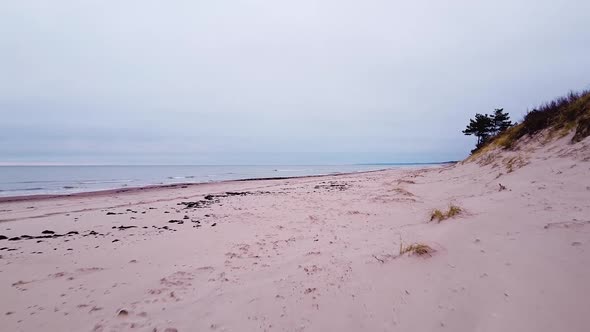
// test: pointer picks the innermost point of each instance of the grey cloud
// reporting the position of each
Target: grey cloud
(275, 82)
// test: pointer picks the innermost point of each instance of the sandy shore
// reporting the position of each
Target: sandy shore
(308, 254)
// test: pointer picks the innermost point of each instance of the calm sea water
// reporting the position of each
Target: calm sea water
(37, 180)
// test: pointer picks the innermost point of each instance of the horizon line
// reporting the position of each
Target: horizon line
(42, 164)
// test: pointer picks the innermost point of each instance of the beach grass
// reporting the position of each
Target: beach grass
(419, 249)
(439, 215)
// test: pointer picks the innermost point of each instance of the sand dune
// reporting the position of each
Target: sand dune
(312, 254)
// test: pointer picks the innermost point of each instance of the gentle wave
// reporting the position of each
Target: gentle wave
(23, 189)
(67, 180)
(104, 181)
(30, 182)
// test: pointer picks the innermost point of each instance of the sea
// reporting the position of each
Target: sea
(58, 180)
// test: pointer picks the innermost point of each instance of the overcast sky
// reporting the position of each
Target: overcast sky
(275, 82)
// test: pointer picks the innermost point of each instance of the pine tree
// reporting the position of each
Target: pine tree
(501, 120)
(481, 127)
(484, 126)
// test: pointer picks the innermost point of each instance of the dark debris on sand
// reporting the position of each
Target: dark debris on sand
(122, 228)
(211, 199)
(333, 186)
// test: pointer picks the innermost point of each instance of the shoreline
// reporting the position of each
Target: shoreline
(133, 190)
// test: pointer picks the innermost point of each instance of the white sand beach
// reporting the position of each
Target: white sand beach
(312, 254)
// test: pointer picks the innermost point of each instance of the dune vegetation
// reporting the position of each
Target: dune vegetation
(416, 248)
(557, 117)
(439, 215)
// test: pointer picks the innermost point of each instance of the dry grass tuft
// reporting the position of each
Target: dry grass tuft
(509, 137)
(439, 215)
(416, 248)
(453, 211)
(514, 163)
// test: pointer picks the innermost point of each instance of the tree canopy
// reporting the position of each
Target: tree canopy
(501, 120)
(484, 126)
